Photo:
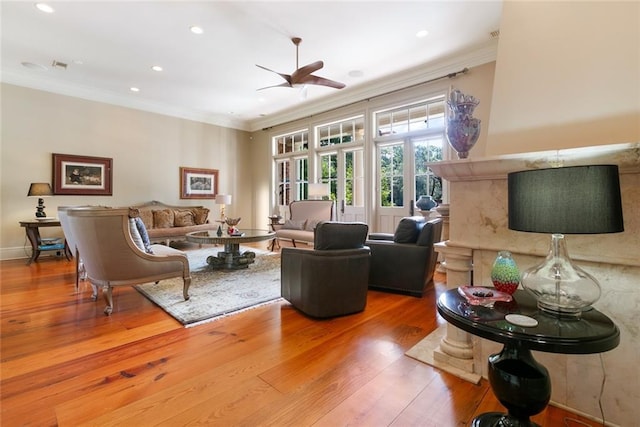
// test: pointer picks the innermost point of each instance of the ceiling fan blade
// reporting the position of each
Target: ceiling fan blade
(287, 77)
(285, 84)
(306, 70)
(321, 81)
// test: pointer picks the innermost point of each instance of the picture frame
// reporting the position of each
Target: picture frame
(197, 183)
(82, 175)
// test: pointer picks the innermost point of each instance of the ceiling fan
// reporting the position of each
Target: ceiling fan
(302, 76)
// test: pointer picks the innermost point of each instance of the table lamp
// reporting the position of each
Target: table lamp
(223, 200)
(40, 190)
(564, 200)
(318, 190)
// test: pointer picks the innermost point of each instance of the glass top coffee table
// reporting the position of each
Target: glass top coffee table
(230, 258)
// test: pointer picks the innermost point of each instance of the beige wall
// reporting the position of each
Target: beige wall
(567, 75)
(147, 150)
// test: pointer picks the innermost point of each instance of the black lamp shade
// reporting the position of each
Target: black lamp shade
(566, 200)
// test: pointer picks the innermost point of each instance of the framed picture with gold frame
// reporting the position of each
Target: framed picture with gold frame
(198, 183)
(82, 175)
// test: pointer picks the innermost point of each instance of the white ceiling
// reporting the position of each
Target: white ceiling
(110, 46)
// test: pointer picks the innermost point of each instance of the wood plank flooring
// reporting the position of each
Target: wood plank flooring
(64, 363)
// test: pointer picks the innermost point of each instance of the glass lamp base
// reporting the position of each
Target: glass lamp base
(561, 287)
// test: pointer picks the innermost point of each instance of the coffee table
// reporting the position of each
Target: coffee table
(230, 258)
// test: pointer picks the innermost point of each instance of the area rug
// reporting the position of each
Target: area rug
(216, 293)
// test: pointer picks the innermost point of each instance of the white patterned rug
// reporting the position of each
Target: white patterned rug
(215, 293)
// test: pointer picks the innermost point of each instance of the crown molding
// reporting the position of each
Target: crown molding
(52, 85)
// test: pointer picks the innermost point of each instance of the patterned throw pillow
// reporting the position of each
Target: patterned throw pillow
(135, 235)
(163, 218)
(142, 230)
(183, 218)
(200, 215)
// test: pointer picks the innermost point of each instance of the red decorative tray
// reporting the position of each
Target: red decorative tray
(479, 295)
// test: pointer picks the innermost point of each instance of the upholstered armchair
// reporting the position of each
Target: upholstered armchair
(114, 254)
(405, 260)
(330, 280)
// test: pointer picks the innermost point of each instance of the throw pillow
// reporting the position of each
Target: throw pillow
(142, 230)
(311, 224)
(163, 218)
(135, 235)
(408, 230)
(292, 224)
(147, 217)
(200, 215)
(183, 218)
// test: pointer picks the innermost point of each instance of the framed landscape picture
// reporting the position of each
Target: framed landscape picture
(198, 183)
(82, 175)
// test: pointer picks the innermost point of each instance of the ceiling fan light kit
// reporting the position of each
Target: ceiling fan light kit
(303, 75)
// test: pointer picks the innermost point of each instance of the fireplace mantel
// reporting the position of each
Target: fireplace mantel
(478, 230)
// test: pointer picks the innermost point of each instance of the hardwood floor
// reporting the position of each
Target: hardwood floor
(65, 363)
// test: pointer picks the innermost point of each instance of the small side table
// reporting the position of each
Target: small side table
(39, 245)
(274, 225)
(519, 382)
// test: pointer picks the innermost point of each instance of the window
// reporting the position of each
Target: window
(426, 182)
(392, 175)
(292, 166)
(427, 114)
(343, 132)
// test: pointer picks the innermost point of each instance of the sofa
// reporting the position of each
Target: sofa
(166, 223)
(405, 261)
(330, 280)
(304, 215)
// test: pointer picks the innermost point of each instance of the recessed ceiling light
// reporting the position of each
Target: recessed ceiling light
(134, 89)
(422, 33)
(156, 68)
(43, 7)
(356, 73)
(196, 30)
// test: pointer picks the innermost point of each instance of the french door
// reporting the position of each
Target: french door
(403, 176)
(343, 170)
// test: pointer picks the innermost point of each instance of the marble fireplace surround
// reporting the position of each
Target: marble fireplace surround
(478, 230)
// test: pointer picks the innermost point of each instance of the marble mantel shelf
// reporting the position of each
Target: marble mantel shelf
(626, 156)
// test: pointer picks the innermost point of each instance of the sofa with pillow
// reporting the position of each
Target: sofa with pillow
(165, 223)
(405, 261)
(304, 215)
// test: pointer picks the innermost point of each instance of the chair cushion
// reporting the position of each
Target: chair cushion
(331, 235)
(409, 229)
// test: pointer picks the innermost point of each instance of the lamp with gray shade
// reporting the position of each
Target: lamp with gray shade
(564, 200)
(40, 190)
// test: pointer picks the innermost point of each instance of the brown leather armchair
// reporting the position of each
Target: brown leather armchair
(405, 261)
(330, 280)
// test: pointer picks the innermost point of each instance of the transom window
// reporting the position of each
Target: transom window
(345, 131)
(424, 115)
(292, 142)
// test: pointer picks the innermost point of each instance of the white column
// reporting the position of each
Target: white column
(449, 348)
(443, 211)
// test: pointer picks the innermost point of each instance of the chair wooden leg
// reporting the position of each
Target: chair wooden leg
(185, 288)
(108, 296)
